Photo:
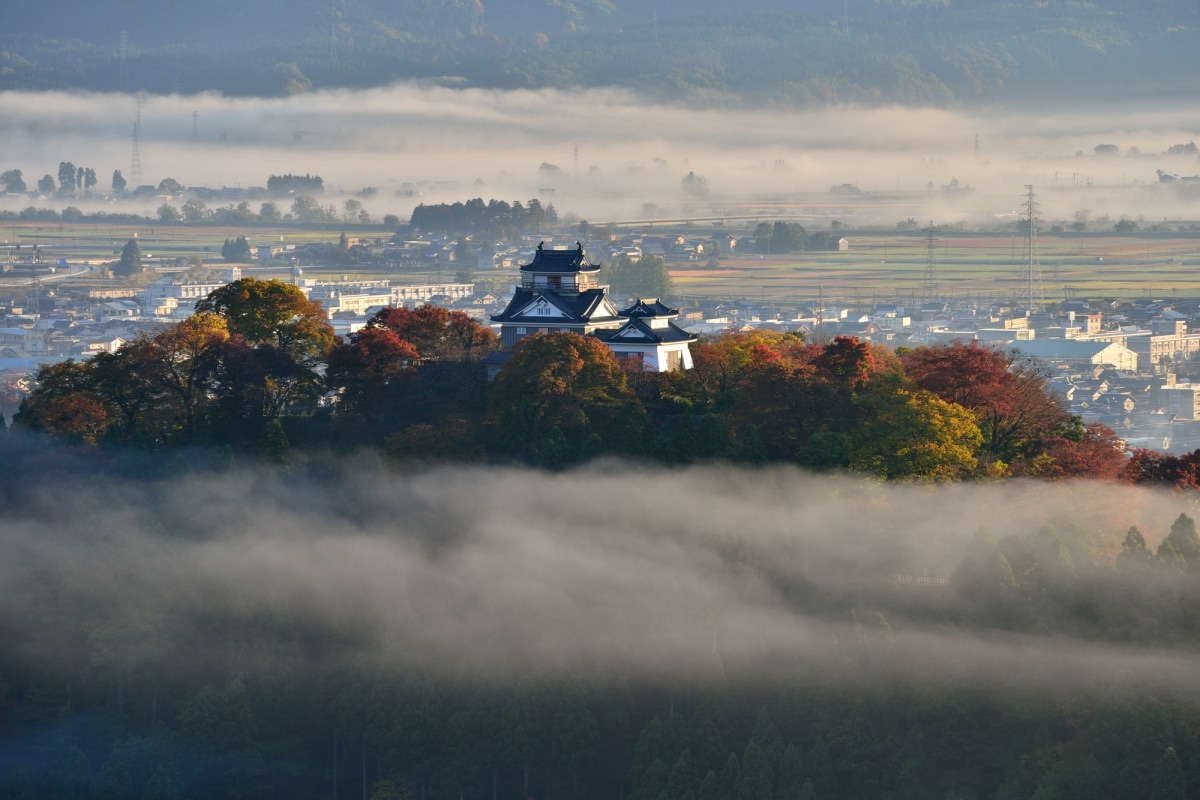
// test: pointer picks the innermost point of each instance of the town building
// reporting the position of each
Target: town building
(1080, 354)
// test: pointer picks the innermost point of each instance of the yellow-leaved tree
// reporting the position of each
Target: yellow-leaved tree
(916, 436)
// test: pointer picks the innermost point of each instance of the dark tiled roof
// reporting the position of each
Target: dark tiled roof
(649, 308)
(559, 261)
(635, 331)
(587, 307)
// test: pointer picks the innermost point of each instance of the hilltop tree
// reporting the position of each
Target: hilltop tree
(64, 404)
(914, 436)
(368, 367)
(186, 360)
(1016, 413)
(563, 398)
(437, 333)
(272, 312)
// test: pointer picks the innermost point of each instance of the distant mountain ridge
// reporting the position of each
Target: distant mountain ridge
(915, 52)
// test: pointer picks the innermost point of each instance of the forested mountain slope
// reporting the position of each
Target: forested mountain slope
(934, 52)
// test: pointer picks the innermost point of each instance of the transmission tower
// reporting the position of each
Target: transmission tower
(929, 289)
(124, 63)
(135, 160)
(1033, 276)
(195, 126)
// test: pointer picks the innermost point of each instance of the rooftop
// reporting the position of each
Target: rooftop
(559, 261)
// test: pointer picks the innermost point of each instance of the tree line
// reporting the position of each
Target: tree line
(258, 354)
(475, 216)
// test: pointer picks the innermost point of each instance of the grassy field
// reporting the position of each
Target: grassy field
(878, 266)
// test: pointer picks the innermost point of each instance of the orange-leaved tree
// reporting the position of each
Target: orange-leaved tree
(560, 399)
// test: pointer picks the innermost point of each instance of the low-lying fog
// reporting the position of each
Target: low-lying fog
(472, 572)
(451, 144)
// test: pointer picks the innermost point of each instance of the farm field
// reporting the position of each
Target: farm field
(880, 265)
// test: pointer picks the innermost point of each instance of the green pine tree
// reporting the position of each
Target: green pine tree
(273, 445)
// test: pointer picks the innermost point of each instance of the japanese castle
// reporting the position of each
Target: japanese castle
(559, 292)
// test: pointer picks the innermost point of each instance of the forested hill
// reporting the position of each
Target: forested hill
(940, 52)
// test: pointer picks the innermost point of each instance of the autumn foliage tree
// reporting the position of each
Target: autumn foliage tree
(437, 333)
(1151, 468)
(247, 357)
(563, 398)
(914, 435)
(367, 366)
(64, 404)
(272, 313)
(1018, 417)
(259, 355)
(414, 367)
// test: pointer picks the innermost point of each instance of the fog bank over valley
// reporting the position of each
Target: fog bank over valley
(615, 568)
(434, 144)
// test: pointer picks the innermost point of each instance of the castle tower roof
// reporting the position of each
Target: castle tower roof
(559, 262)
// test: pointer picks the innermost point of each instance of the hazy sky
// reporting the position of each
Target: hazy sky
(491, 144)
